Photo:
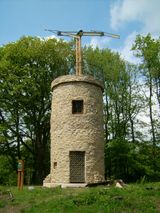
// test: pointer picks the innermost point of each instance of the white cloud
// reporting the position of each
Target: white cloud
(146, 12)
(126, 52)
(51, 37)
(100, 42)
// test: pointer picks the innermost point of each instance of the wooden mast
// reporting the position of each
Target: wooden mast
(78, 36)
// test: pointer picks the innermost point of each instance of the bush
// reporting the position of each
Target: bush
(7, 175)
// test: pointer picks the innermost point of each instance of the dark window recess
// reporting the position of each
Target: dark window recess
(77, 106)
(55, 165)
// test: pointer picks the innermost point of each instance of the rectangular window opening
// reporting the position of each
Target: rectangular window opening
(55, 165)
(77, 106)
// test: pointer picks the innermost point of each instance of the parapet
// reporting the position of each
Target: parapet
(76, 78)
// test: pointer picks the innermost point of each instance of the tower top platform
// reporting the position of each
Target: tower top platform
(76, 78)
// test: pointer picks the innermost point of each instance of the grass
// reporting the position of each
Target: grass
(133, 198)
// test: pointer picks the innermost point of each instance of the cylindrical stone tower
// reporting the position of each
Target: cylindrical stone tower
(77, 134)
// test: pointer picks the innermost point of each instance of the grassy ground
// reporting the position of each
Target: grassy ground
(133, 198)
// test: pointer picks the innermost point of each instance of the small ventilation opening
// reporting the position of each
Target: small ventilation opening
(55, 165)
(77, 106)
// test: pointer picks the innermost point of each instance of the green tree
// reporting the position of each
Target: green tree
(27, 68)
(8, 175)
(123, 100)
(108, 66)
(135, 101)
(148, 49)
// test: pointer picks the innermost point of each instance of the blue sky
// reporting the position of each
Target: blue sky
(124, 17)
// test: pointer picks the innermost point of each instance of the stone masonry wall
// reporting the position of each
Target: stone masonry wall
(77, 132)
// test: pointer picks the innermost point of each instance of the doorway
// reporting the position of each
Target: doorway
(77, 166)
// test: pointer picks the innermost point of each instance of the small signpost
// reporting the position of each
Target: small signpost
(20, 174)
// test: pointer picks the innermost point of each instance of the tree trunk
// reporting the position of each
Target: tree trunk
(18, 135)
(130, 115)
(152, 121)
(106, 114)
(40, 157)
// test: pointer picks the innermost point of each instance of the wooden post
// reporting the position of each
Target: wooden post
(20, 174)
(78, 56)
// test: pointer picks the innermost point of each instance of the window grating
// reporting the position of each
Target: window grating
(77, 167)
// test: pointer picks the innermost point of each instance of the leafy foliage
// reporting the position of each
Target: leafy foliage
(27, 68)
(7, 175)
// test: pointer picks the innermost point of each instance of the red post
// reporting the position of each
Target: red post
(20, 174)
